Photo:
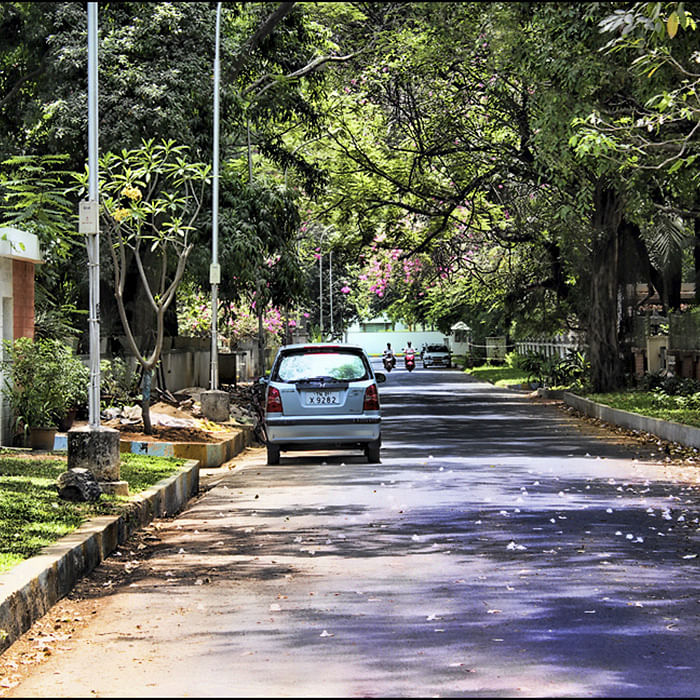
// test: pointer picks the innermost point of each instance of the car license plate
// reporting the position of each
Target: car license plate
(322, 398)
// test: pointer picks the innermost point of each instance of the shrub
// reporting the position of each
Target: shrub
(668, 384)
(119, 383)
(650, 381)
(512, 359)
(43, 379)
(554, 370)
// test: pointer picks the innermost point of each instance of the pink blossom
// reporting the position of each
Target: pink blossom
(345, 290)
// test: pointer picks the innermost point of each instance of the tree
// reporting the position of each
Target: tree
(466, 127)
(34, 196)
(657, 137)
(151, 197)
(261, 222)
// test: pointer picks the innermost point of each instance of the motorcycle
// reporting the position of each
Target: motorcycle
(410, 360)
(389, 362)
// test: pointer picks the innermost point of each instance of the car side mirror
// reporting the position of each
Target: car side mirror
(380, 377)
(263, 380)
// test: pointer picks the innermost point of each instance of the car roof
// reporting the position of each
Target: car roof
(317, 346)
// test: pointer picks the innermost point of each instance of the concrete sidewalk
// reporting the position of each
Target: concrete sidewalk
(32, 587)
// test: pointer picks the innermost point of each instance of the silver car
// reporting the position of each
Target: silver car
(437, 356)
(322, 396)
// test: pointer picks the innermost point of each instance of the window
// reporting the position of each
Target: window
(342, 366)
(377, 327)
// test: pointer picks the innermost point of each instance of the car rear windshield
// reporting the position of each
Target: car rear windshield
(327, 364)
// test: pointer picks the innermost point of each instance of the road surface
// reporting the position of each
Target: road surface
(499, 549)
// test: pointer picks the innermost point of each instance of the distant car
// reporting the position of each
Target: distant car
(437, 356)
(322, 397)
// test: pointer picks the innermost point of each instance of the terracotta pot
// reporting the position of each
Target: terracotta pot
(42, 438)
(67, 421)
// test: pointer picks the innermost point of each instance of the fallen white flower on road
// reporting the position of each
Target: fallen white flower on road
(512, 546)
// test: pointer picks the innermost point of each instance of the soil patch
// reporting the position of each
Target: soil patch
(134, 433)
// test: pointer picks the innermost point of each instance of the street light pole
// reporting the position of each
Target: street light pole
(215, 268)
(94, 447)
(92, 228)
(320, 287)
(215, 403)
(330, 285)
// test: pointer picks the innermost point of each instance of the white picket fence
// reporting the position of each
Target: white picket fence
(557, 346)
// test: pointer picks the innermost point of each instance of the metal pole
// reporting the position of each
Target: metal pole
(330, 285)
(215, 270)
(320, 290)
(93, 239)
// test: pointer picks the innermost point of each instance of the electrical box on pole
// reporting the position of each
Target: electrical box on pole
(88, 217)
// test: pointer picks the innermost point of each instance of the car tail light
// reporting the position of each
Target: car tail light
(274, 400)
(371, 398)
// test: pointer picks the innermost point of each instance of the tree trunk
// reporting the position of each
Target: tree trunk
(146, 401)
(261, 332)
(673, 278)
(653, 276)
(606, 365)
(696, 259)
(261, 345)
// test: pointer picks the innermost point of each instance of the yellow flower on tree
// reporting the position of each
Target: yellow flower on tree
(120, 214)
(133, 193)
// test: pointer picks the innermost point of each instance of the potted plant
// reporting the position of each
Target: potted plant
(74, 381)
(42, 380)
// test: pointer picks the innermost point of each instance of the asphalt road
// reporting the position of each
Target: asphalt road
(499, 549)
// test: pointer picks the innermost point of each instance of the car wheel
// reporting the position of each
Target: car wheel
(273, 454)
(372, 452)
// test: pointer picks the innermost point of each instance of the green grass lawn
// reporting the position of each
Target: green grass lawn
(644, 403)
(647, 404)
(500, 375)
(31, 514)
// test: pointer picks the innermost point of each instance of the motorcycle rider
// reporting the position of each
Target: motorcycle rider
(409, 352)
(388, 356)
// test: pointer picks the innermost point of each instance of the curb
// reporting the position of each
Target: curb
(667, 430)
(208, 454)
(670, 431)
(32, 587)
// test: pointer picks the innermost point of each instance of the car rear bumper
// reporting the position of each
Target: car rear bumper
(443, 361)
(327, 431)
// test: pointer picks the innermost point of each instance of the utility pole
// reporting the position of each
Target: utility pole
(215, 404)
(94, 447)
(215, 268)
(90, 222)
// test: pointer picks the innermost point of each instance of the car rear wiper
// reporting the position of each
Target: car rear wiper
(324, 379)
